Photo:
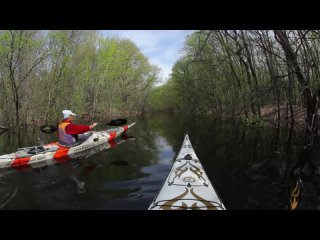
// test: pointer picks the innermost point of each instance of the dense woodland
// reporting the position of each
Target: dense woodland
(244, 73)
(43, 72)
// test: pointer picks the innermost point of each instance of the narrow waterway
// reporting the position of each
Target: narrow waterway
(250, 168)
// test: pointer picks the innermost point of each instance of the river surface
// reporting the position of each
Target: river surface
(251, 168)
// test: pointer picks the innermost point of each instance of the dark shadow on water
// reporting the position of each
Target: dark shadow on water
(120, 163)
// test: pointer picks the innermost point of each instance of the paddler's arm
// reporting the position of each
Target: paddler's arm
(74, 129)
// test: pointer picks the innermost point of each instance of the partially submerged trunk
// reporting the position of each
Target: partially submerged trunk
(4, 128)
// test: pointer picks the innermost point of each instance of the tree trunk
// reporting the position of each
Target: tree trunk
(291, 57)
(247, 70)
(290, 95)
(234, 74)
(253, 72)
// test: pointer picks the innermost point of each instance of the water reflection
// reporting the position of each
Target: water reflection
(60, 177)
(250, 168)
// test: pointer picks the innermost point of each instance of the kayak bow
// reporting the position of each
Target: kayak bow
(187, 186)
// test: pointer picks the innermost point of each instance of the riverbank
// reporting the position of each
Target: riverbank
(270, 113)
(272, 117)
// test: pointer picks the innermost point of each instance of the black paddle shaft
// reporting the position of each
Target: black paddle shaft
(114, 122)
(117, 122)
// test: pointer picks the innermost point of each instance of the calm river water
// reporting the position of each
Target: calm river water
(250, 168)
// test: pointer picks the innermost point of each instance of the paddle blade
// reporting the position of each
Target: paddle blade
(117, 122)
(48, 128)
(296, 192)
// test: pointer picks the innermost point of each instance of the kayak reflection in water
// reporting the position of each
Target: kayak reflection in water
(69, 132)
(87, 169)
(75, 171)
(80, 184)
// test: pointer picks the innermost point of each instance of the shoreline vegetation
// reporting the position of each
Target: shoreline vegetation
(259, 75)
(44, 72)
(272, 116)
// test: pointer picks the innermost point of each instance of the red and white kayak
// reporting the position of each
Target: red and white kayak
(187, 186)
(54, 153)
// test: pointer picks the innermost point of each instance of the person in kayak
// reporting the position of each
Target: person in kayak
(68, 132)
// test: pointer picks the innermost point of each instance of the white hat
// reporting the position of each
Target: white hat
(67, 113)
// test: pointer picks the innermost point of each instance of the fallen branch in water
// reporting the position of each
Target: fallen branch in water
(3, 128)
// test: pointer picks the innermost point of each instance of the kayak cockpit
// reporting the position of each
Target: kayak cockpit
(81, 138)
(30, 151)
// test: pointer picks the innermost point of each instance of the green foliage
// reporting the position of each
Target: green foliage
(164, 98)
(254, 121)
(239, 72)
(79, 70)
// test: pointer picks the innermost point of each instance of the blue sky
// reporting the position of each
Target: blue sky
(161, 47)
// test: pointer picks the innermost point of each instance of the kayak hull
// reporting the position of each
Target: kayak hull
(54, 153)
(187, 186)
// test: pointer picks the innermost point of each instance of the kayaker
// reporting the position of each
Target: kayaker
(68, 132)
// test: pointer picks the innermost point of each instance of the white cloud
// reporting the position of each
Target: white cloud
(165, 68)
(160, 46)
